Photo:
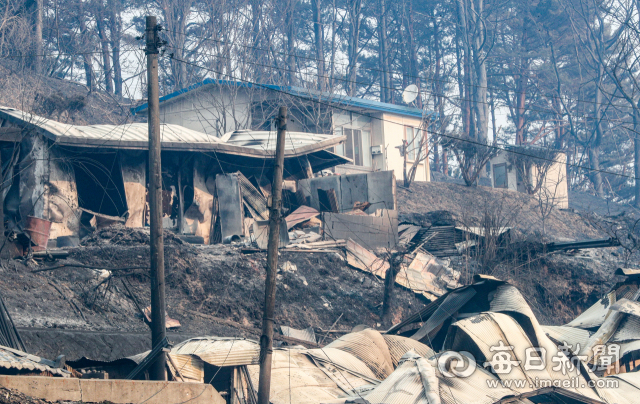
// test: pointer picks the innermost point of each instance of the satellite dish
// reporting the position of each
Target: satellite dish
(410, 93)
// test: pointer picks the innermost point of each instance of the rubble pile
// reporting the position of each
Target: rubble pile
(118, 234)
(479, 343)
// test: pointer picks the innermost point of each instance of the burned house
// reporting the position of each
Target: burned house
(374, 130)
(83, 177)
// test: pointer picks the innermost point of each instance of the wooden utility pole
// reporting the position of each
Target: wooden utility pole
(266, 339)
(158, 331)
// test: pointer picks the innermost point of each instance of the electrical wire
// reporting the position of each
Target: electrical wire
(453, 138)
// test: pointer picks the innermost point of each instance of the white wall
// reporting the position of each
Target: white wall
(214, 110)
(393, 131)
(555, 187)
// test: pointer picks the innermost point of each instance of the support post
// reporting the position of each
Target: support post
(266, 339)
(157, 370)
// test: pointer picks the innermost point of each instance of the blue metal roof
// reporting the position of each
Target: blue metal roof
(331, 99)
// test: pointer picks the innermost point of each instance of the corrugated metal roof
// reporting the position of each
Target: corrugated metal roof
(312, 95)
(403, 386)
(342, 360)
(306, 335)
(629, 329)
(221, 351)
(370, 347)
(264, 140)
(174, 137)
(594, 316)
(570, 335)
(14, 359)
(398, 346)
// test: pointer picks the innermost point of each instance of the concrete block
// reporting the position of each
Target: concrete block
(371, 232)
(353, 188)
(380, 187)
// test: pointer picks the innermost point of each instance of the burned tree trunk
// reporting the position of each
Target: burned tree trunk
(318, 36)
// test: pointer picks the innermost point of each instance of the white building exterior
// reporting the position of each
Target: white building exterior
(554, 188)
(375, 131)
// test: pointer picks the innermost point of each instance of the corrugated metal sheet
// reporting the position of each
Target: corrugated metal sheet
(564, 333)
(370, 347)
(263, 140)
(447, 308)
(18, 360)
(174, 137)
(489, 330)
(306, 335)
(594, 316)
(221, 351)
(398, 346)
(507, 298)
(628, 330)
(403, 386)
(190, 367)
(342, 360)
(437, 240)
(295, 378)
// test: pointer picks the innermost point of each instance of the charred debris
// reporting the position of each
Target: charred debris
(87, 185)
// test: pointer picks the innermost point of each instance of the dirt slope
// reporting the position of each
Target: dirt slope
(212, 280)
(470, 204)
(61, 100)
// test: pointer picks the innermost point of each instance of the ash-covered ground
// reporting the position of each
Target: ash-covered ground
(215, 280)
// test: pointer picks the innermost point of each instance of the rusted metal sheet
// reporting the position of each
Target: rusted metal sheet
(190, 366)
(198, 216)
(134, 179)
(62, 198)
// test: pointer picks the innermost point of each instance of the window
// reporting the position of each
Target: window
(357, 147)
(500, 176)
(412, 135)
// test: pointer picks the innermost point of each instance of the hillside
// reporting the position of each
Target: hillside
(61, 100)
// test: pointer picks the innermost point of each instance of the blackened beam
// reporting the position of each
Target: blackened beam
(578, 245)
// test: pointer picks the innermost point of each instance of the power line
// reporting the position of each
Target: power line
(374, 69)
(454, 138)
(544, 111)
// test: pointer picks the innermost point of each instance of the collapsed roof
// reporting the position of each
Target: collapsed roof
(452, 352)
(243, 148)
